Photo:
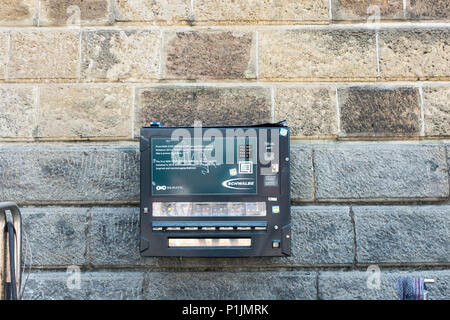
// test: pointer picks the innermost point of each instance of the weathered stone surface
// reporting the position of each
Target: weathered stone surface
(311, 111)
(18, 12)
(62, 173)
(352, 285)
(367, 9)
(302, 175)
(3, 53)
(118, 285)
(317, 54)
(209, 55)
(114, 236)
(114, 55)
(414, 54)
(428, 9)
(437, 110)
(17, 112)
(402, 234)
(50, 54)
(377, 111)
(75, 12)
(320, 236)
(254, 10)
(74, 112)
(159, 11)
(230, 285)
(380, 172)
(181, 106)
(56, 236)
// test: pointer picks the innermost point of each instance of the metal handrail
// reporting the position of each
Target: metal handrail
(16, 219)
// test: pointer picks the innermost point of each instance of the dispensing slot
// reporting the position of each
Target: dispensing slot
(209, 242)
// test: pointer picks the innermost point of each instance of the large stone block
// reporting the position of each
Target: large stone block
(321, 236)
(311, 111)
(402, 234)
(18, 114)
(437, 110)
(209, 55)
(281, 285)
(48, 54)
(317, 54)
(104, 285)
(380, 172)
(80, 112)
(75, 12)
(302, 175)
(114, 237)
(428, 9)
(65, 173)
(377, 111)
(353, 285)
(414, 54)
(120, 55)
(371, 10)
(181, 106)
(258, 11)
(157, 11)
(18, 12)
(55, 236)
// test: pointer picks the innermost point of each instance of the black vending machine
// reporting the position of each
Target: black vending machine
(215, 191)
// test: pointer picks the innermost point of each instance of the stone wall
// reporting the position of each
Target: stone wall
(367, 100)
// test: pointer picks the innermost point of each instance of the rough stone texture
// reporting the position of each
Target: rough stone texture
(18, 12)
(265, 11)
(17, 112)
(158, 11)
(380, 172)
(75, 12)
(114, 236)
(402, 234)
(378, 111)
(56, 236)
(119, 285)
(73, 112)
(317, 54)
(118, 55)
(414, 54)
(181, 106)
(320, 236)
(311, 111)
(352, 285)
(428, 9)
(230, 285)
(372, 10)
(437, 110)
(48, 54)
(65, 173)
(302, 175)
(3, 54)
(209, 55)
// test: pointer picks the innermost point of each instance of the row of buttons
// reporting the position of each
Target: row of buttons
(209, 228)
